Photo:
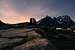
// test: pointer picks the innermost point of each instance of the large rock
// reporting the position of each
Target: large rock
(15, 37)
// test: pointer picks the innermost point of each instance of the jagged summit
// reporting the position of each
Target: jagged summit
(47, 21)
(64, 18)
(65, 21)
(60, 21)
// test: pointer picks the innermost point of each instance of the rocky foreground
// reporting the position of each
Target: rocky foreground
(23, 39)
(29, 39)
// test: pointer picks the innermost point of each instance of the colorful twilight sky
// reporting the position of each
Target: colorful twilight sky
(17, 11)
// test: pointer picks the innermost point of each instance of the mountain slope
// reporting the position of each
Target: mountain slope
(65, 21)
(47, 21)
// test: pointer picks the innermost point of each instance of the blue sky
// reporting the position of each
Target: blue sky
(15, 11)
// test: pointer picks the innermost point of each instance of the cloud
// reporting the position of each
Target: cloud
(13, 11)
(9, 15)
(51, 7)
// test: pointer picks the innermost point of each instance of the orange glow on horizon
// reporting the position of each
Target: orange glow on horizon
(14, 20)
(10, 15)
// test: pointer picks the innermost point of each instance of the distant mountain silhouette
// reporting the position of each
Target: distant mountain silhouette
(1, 23)
(47, 21)
(65, 21)
(4, 25)
(61, 21)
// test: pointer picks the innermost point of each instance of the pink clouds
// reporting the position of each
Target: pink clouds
(22, 10)
(10, 15)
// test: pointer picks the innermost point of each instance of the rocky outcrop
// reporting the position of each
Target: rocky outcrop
(23, 39)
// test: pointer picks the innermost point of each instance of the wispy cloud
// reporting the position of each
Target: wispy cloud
(22, 10)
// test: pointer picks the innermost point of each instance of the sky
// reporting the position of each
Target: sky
(17, 11)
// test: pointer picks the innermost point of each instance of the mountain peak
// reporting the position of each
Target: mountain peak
(1, 22)
(47, 21)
